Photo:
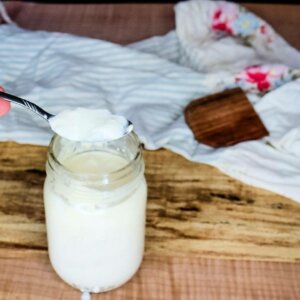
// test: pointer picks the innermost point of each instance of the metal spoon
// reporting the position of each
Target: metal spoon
(27, 104)
(39, 111)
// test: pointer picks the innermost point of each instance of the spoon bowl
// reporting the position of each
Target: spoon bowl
(41, 112)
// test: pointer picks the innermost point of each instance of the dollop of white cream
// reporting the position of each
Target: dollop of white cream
(88, 125)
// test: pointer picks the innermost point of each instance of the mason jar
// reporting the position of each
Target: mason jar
(95, 202)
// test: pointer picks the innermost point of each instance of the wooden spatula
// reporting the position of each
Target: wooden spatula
(224, 119)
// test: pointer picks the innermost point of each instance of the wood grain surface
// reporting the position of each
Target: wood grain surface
(126, 23)
(195, 217)
(236, 122)
(160, 278)
(120, 23)
(189, 204)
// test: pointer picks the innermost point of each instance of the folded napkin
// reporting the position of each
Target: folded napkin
(152, 81)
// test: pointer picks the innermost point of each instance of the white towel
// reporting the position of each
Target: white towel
(150, 83)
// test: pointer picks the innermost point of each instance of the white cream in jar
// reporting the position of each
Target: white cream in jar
(88, 125)
(95, 200)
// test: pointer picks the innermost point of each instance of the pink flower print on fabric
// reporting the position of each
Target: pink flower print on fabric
(264, 78)
(223, 16)
(235, 20)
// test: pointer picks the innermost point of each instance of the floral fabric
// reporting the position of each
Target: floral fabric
(264, 78)
(232, 19)
(223, 38)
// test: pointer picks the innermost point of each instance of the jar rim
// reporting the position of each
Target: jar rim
(105, 178)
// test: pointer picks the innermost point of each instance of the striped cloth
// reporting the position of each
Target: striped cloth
(150, 83)
(57, 71)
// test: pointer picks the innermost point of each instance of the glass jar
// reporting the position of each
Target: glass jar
(95, 202)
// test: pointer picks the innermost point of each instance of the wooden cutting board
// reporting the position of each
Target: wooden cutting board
(224, 119)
